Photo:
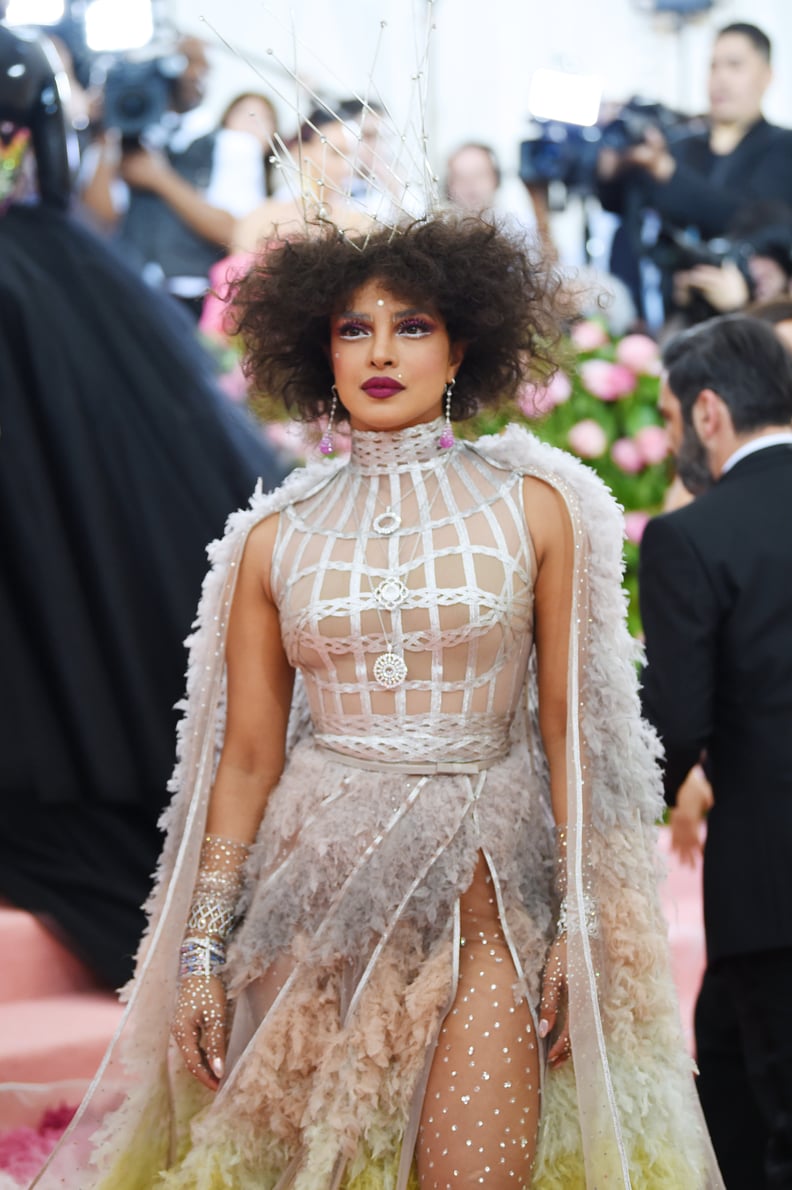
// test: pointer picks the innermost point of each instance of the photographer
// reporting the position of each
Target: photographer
(701, 180)
(174, 208)
(756, 265)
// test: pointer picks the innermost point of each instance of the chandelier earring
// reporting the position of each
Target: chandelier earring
(326, 443)
(446, 439)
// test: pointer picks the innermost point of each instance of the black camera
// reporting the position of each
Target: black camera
(138, 94)
(676, 250)
(568, 153)
(635, 119)
(561, 153)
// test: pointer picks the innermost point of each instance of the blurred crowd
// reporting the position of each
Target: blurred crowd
(698, 208)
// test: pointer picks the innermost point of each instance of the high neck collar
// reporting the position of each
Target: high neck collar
(376, 452)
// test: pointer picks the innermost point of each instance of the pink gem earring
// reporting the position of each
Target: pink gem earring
(326, 443)
(446, 439)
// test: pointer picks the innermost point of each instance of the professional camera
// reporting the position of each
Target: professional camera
(676, 250)
(138, 94)
(635, 119)
(561, 152)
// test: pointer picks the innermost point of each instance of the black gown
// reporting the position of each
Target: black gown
(119, 461)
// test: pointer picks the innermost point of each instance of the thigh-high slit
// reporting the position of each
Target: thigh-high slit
(481, 1110)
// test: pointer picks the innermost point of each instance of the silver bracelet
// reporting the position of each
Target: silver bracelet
(201, 956)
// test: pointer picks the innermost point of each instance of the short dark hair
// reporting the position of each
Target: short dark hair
(487, 286)
(742, 360)
(355, 109)
(759, 40)
(318, 118)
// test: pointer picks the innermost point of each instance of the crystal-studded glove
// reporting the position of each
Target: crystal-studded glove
(199, 1023)
(568, 912)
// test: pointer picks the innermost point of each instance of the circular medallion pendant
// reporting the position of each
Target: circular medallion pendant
(390, 593)
(390, 670)
(386, 523)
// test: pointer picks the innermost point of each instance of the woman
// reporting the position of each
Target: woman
(316, 184)
(255, 114)
(440, 834)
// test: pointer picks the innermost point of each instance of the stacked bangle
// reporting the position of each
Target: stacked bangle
(201, 956)
(213, 911)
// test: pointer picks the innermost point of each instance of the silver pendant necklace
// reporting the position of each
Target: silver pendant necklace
(390, 668)
(387, 522)
(390, 593)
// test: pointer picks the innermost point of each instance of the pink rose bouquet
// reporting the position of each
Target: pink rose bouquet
(603, 408)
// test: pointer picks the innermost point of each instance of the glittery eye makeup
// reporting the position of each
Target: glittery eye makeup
(416, 327)
(352, 328)
(407, 325)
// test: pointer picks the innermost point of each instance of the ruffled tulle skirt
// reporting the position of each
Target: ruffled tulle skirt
(346, 965)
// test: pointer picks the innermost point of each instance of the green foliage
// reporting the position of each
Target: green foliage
(615, 405)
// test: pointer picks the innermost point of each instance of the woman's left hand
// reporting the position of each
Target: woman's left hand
(554, 1016)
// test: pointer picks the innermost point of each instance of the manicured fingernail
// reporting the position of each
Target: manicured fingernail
(217, 1066)
(544, 1028)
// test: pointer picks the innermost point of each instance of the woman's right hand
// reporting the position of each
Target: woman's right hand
(199, 1027)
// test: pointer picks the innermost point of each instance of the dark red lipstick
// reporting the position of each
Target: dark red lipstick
(382, 386)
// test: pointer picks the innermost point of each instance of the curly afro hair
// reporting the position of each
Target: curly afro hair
(483, 282)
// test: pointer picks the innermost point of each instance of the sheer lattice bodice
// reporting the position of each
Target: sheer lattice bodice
(419, 553)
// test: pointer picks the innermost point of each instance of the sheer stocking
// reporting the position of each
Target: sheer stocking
(481, 1112)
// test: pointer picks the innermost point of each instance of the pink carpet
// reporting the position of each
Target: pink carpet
(681, 898)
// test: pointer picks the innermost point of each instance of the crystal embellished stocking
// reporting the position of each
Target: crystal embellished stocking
(481, 1110)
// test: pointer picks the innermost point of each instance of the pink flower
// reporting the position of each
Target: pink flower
(588, 336)
(652, 441)
(588, 439)
(607, 381)
(640, 354)
(286, 436)
(626, 454)
(215, 314)
(634, 525)
(534, 401)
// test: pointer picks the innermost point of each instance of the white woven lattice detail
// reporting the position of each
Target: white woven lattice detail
(463, 627)
(427, 740)
(382, 454)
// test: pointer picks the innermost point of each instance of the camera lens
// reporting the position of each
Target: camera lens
(133, 105)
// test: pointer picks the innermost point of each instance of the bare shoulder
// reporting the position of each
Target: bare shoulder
(259, 549)
(546, 515)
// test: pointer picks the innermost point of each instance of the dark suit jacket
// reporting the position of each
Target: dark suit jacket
(708, 189)
(716, 602)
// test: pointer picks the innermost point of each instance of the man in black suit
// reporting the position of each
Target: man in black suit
(716, 601)
(699, 182)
